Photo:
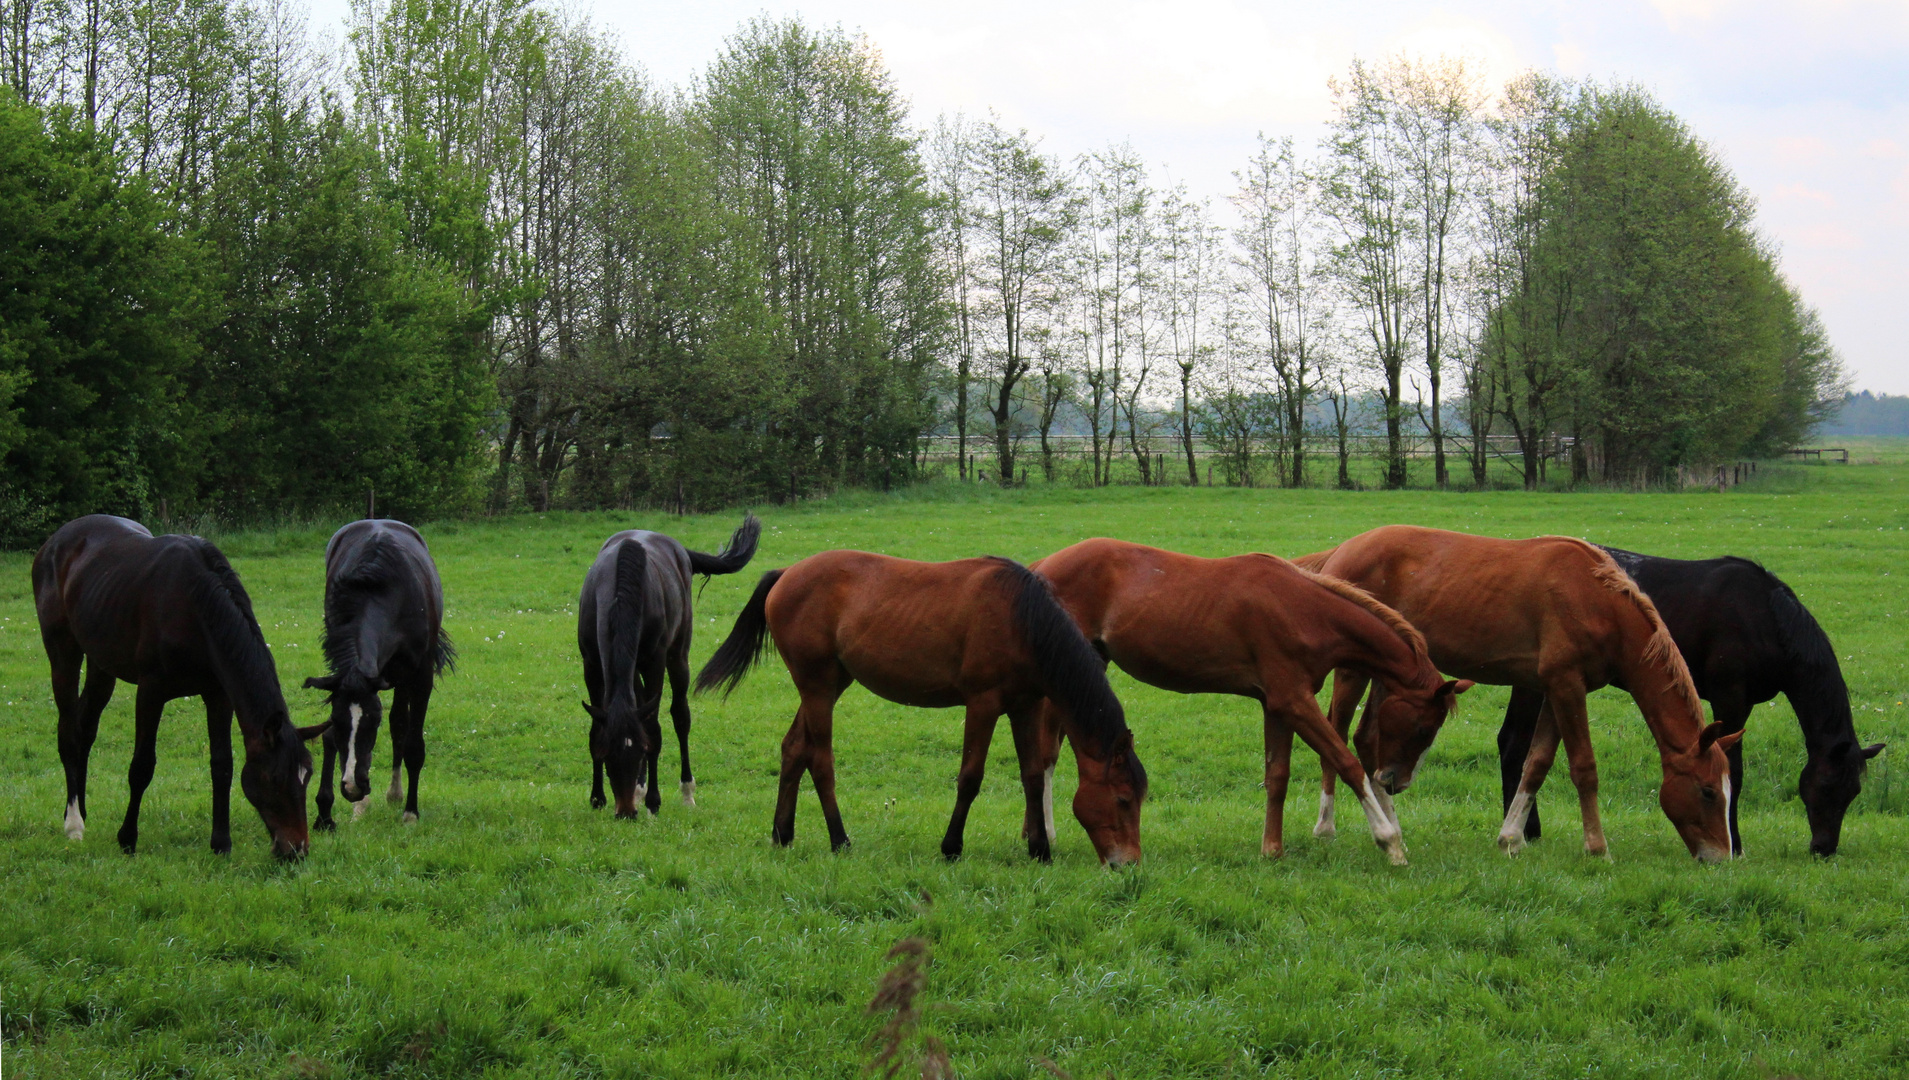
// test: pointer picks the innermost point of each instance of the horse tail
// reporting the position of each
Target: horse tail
(1814, 673)
(740, 651)
(735, 554)
(443, 653)
(1072, 673)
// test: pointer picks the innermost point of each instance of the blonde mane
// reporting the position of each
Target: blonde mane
(1661, 649)
(1407, 633)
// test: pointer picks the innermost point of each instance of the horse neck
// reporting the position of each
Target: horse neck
(1820, 700)
(1671, 710)
(246, 674)
(1364, 643)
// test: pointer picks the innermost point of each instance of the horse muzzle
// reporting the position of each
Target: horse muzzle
(290, 850)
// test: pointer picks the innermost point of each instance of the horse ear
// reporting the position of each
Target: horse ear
(307, 734)
(1872, 750)
(381, 683)
(1713, 736)
(1455, 687)
(595, 713)
(327, 683)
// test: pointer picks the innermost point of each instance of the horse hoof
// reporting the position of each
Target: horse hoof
(953, 854)
(1272, 849)
(75, 824)
(221, 845)
(1325, 830)
(1510, 843)
(394, 794)
(841, 845)
(597, 802)
(689, 793)
(325, 824)
(410, 818)
(1396, 856)
(358, 809)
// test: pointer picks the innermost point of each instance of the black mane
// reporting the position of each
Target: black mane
(380, 565)
(1073, 673)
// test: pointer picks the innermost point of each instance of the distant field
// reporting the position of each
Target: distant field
(516, 932)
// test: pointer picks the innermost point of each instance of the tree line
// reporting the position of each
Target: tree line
(478, 260)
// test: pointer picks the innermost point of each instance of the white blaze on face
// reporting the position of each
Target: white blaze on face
(75, 824)
(351, 746)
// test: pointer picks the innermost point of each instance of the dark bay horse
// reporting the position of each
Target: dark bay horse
(1555, 615)
(985, 634)
(168, 615)
(633, 627)
(1746, 638)
(1260, 627)
(384, 630)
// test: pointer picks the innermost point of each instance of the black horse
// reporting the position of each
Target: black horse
(1746, 638)
(168, 615)
(384, 630)
(633, 624)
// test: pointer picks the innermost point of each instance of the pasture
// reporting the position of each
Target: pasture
(513, 931)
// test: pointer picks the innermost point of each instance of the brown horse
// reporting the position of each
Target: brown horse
(982, 633)
(1556, 615)
(1260, 627)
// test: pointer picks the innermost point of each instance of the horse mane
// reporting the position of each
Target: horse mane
(1074, 673)
(626, 613)
(232, 630)
(380, 562)
(1814, 673)
(1407, 633)
(1661, 650)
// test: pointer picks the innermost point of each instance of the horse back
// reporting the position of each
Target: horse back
(1720, 614)
(129, 600)
(381, 571)
(927, 634)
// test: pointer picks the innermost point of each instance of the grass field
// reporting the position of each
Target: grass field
(516, 932)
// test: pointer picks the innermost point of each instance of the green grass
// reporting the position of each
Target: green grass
(515, 932)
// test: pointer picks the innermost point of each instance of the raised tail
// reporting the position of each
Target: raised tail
(739, 652)
(735, 554)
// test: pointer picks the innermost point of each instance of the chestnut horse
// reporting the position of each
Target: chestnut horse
(1552, 614)
(1260, 627)
(168, 615)
(985, 634)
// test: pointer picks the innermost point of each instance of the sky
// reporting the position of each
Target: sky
(1807, 103)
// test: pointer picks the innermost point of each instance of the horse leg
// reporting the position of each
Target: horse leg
(79, 726)
(679, 717)
(977, 731)
(1544, 750)
(1046, 748)
(1514, 744)
(1279, 769)
(415, 699)
(1574, 727)
(819, 685)
(218, 736)
(397, 726)
(1347, 688)
(822, 773)
(1028, 725)
(146, 710)
(1728, 708)
(1302, 715)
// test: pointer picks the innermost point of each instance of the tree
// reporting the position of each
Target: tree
(1364, 197)
(101, 313)
(1190, 275)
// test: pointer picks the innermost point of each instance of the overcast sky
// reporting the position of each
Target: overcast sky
(1807, 102)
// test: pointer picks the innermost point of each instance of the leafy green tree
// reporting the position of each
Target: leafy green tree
(101, 312)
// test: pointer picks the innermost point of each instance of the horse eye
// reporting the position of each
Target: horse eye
(1710, 794)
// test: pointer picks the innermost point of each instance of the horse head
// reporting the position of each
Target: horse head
(1695, 794)
(1107, 802)
(1404, 724)
(276, 771)
(356, 713)
(621, 745)
(1831, 781)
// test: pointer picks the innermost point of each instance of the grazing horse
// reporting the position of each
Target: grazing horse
(633, 626)
(1556, 615)
(1746, 638)
(1260, 627)
(384, 630)
(985, 634)
(168, 615)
